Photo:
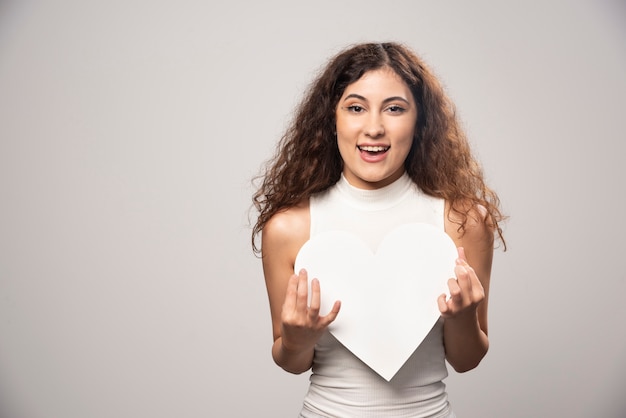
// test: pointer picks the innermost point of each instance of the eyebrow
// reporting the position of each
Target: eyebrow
(388, 99)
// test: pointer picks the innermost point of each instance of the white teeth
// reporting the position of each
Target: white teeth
(374, 149)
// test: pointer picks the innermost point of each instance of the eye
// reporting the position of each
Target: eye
(396, 109)
(355, 109)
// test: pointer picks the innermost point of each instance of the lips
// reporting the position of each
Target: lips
(373, 153)
(373, 148)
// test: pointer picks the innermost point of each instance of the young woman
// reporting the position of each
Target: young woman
(375, 144)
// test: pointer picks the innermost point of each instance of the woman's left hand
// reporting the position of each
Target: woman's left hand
(466, 291)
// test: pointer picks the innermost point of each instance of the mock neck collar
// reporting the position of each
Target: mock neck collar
(376, 199)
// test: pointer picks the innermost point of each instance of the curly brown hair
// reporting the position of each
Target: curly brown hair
(440, 162)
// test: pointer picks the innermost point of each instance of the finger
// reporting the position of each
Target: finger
(478, 291)
(314, 309)
(475, 287)
(461, 252)
(442, 304)
(464, 281)
(332, 315)
(302, 301)
(290, 295)
(455, 291)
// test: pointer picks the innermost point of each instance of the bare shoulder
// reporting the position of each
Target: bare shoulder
(286, 232)
(478, 231)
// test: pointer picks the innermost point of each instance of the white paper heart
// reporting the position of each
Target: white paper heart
(388, 299)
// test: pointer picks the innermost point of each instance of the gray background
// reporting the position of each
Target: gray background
(130, 130)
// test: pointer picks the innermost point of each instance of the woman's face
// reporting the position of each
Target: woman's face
(376, 118)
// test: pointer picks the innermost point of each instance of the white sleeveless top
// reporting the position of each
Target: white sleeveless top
(341, 385)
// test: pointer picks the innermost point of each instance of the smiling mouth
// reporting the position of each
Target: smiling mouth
(373, 149)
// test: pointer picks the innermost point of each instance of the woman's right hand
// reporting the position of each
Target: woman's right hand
(301, 323)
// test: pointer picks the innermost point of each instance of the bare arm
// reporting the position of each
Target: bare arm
(296, 325)
(465, 330)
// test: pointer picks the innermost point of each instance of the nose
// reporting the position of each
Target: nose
(374, 127)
